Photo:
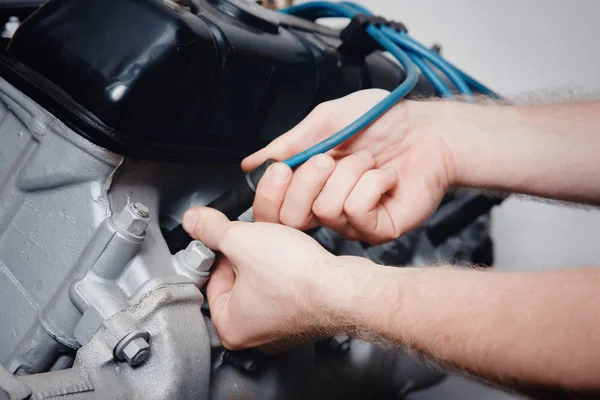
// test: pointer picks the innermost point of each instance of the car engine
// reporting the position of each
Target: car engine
(118, 115)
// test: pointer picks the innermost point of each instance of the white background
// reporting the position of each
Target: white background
(517, 46)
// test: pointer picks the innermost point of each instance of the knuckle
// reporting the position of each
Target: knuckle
(324, 108)
(324, 210)
(231, 341)
(358, 163)
(291, 219)
(230, 237)
(266, 198)
(353, 208)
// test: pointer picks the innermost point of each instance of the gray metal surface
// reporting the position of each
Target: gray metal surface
(53, 195)
(178, 367)
(78, 255)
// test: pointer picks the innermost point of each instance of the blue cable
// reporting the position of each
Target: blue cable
(403, 40)
(411, 55)
(357, 7)
(412, 77)
(321, 9)
(429, 54)
(430, 74)
(318, 7)
(455, 77)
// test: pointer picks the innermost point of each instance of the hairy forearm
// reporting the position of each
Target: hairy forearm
(522, 330)
(547, 150)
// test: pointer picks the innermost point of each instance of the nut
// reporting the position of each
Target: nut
(136, 351)
(133, 348)
(197, 257)
(133, 219)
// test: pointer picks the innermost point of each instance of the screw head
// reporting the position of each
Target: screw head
(141, 210)
(198, 257)
(136, 351)
(134, 219)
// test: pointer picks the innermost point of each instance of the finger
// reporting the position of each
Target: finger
(219, 287)
(329, 205)
(270, 193)
(307, 182)
(363, 206)
(410, 203)
(207, 225)
(315, 127)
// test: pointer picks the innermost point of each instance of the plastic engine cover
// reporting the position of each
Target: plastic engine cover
(152, 79)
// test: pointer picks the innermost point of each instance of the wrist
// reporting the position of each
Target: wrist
(476, 135)
(353, 292)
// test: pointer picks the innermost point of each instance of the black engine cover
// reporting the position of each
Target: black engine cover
(152, 79)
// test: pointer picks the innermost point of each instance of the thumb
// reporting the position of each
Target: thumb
(207, 225)
(219, 289)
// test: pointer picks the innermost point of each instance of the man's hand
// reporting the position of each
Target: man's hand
(274, 282)
(389, 178)
(277, 284)
(376, 186)
(280, 284)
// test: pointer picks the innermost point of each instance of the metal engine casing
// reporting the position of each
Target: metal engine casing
(58, 190)
(76, 283)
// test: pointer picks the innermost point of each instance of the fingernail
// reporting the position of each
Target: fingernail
(279, 173)
(364, 154)
(189, 220)
(323, 161)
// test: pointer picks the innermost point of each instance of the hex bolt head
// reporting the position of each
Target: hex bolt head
(136, 351)
(197, 257)
(133, 219)
(133, 348)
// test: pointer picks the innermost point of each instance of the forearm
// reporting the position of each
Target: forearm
(548, 150)
(527, 330)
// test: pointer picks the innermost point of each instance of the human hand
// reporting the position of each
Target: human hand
(374, 187)
(274, 283)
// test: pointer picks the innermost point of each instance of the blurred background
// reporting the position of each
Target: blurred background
(515, 47)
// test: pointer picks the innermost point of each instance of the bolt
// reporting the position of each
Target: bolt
(340, 343)
(133, 219)
(197, 257)
(246, 360)
(136, 352)
(133, 348)
(141, 210)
